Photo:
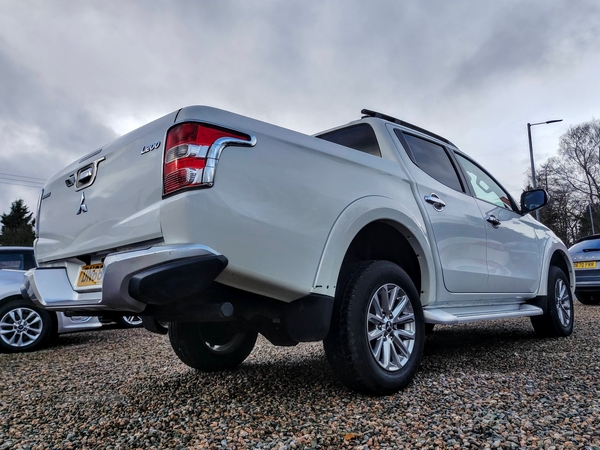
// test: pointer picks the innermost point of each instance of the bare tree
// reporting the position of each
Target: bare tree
(572, 179)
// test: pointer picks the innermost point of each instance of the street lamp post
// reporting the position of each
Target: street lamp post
(529, 125)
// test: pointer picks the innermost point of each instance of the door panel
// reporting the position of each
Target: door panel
(514, 261)
(513, 256)
(457, 223)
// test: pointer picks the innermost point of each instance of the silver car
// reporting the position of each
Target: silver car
(586, 259)
(24, 326)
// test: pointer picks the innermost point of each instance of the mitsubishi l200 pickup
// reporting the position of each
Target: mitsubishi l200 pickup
(215, 227)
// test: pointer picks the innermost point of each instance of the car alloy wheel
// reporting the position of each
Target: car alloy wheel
(563, 302)
(391, 327)
(133, 321)
(21, 327)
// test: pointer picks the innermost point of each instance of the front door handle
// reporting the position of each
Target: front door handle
(433, 199)
(493, 220)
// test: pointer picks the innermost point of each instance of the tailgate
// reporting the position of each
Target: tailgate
(107, 199)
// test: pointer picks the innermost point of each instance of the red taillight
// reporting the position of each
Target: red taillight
(192, 151)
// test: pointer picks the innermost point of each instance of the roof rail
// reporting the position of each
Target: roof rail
(369, 113)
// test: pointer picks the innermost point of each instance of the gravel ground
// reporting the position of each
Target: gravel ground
(481, 385)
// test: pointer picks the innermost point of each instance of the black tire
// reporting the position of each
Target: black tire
(211, 347)
(587, 298)
(129, 321)
(558, 319)
(24, 327)
(360, 363)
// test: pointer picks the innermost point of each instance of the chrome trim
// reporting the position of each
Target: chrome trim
(82, 174)
(149, 148)
(51, 288)
(38, 210)
(85, 174)
(493, 220)
(82, 206)
(434, 200)
(214, 153)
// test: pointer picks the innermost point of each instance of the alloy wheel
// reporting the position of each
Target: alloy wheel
(21, 327)
(391, 327)
(563, 305)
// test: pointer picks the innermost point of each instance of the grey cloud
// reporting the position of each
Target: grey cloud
(41, 130)
(531, 38)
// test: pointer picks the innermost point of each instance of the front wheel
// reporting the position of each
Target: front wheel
(211, 347)
(377, 334)
(558, 319)
(24, 327)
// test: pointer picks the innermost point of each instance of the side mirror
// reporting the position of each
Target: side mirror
(532, 200)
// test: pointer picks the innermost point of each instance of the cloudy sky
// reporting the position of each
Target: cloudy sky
(77, 74)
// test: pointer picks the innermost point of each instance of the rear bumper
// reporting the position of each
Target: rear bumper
(131, 281)
(587, 280)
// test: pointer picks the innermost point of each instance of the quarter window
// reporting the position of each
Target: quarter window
(359, 137)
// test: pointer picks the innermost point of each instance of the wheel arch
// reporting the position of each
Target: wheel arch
(377, 228)
(558, 256)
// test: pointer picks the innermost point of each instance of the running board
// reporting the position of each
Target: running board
(452, 316)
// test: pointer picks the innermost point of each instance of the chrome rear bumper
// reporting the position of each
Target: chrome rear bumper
(130, 281)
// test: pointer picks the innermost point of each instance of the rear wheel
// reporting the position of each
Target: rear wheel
(587, 298)
(211, 347)
(24, 327)
(557, 321)
(129, 321)
(376, 339)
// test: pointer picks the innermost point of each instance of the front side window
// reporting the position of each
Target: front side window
(432, 159)
(484, 186)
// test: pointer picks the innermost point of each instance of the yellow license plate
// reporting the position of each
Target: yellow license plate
(90, 275)
(585, 265)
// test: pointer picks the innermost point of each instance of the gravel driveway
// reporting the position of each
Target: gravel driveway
(481, 385)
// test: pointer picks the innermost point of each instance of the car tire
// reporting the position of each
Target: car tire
(587, 298)
(557, 321)
(375, 343)
(24, 327)
(129, 321)
(211, 347)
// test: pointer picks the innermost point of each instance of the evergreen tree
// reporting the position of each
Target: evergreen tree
(17, 225)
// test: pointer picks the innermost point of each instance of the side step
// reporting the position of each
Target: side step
(452, 316)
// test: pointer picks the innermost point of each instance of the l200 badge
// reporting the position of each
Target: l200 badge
(149, 148)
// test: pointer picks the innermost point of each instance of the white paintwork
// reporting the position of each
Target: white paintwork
(284, 212)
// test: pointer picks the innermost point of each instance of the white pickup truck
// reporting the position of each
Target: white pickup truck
(362, 236)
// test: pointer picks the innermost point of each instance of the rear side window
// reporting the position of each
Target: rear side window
(359, 137)
(17, 260)
(432, 159)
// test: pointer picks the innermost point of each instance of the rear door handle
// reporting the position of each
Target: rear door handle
(493, 220)
(433, 199)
